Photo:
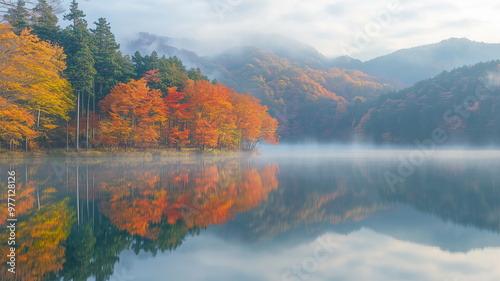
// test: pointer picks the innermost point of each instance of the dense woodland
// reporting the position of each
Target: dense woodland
(73, 87)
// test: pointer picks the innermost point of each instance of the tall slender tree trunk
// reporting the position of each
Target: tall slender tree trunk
(26, 143)
(87, 132)
(77, 121)
(87, 178)
(67, 135)
(77, 194)
(93, 117)
(83, 102)
(38, 121)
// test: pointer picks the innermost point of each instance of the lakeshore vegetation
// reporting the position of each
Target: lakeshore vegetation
(73, 87)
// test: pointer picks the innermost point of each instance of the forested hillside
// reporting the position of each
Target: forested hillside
(463, 103)
(309, 103)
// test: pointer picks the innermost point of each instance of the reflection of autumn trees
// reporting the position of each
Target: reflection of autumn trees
(312, 195)
(40, 250)
(197, 195)
(143, 206)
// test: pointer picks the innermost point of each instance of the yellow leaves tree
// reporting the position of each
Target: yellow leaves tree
(15, 122)
(31, 84)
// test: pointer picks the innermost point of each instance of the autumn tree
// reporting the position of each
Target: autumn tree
(132, 115)
(213, 123)
(178, 117)
(31, 79)
(253, 121)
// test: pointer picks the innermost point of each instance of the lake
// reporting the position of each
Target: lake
(291, 213)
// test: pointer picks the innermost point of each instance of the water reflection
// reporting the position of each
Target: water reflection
(76, 226)
(78, 219)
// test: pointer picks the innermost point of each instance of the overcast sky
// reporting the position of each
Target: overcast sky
(333, 27)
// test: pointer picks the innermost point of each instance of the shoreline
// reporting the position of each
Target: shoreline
(129, 153)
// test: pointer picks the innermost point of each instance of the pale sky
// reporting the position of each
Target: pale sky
(331, 26)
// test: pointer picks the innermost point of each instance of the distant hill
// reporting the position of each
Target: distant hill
(464, 103)
(408, 66)
(308, 102)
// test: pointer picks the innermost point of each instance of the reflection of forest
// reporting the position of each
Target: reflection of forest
(76, 219)
(312, 195)
(315, 194)
(460, 191)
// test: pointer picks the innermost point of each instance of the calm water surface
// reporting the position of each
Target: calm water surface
(321, 214)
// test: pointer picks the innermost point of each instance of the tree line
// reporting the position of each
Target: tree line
(73, 87)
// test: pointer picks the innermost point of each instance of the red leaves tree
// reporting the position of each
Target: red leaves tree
(178, 116)
(133, 114)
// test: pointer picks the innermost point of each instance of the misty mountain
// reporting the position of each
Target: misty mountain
(308, 102)
(290, 49)
(408, 66)
(463, 103)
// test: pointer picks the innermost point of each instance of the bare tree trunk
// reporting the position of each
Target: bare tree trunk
(87, 177)
(67, 135)
(93, 117)
(77, 195)
(77, 120)
(38, 121)
(38, 197)
(87, 132)
(83, 102)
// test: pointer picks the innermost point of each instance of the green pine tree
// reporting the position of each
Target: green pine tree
(18, 17)
(105, 50)
(44, 22)
(80, 61)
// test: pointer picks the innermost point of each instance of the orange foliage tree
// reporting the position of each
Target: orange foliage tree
(214, 122)
(178, 116)
(224, 118)
(202, 114)
(253, 121)
(133, 113)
